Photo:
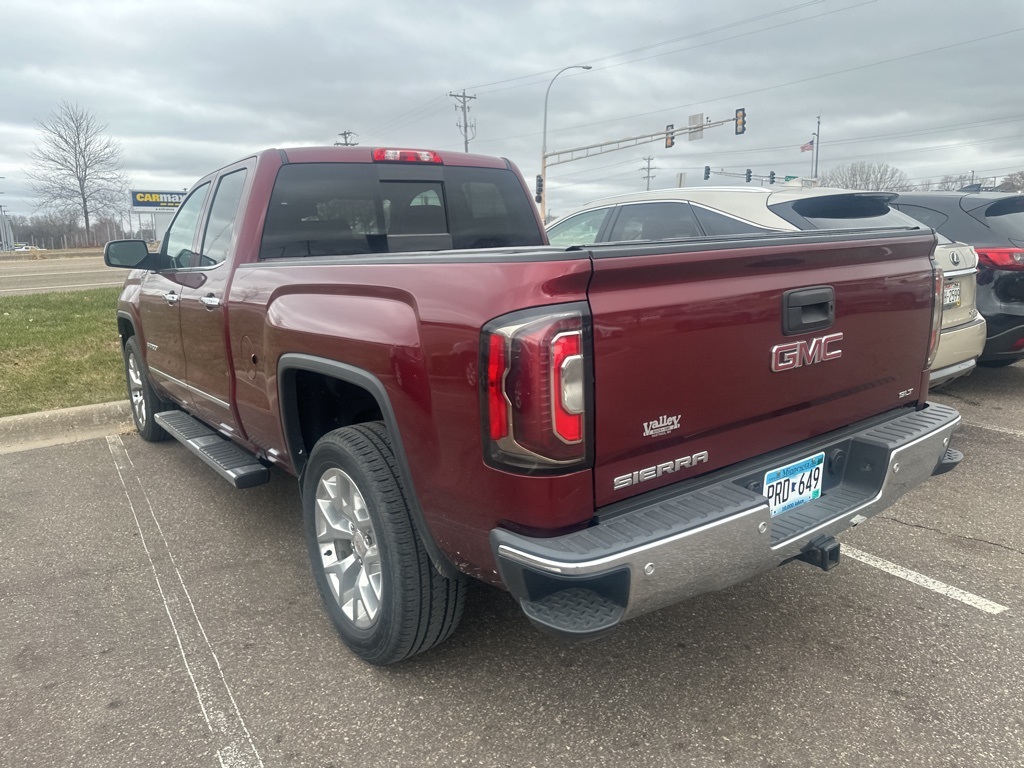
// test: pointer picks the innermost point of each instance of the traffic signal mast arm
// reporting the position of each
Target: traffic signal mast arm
(603, 148)
(770, 177)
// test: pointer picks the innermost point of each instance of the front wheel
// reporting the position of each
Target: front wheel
(379, 587)
(143, 398)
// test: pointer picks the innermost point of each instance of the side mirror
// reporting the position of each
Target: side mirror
(128, 254)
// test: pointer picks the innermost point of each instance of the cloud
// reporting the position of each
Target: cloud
(190, 86)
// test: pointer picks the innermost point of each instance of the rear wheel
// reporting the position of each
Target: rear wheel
(380, 589)
(144, 400)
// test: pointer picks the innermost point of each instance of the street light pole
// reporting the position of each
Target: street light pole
(544, 143)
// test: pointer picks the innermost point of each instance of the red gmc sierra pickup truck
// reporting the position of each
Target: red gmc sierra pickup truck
(600, 430)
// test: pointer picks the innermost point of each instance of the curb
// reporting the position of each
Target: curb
(66, 425)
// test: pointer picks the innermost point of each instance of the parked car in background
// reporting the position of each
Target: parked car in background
(723, 211)
(992, 222)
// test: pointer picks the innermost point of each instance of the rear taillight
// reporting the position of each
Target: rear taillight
(933, 339)
(382, 155)
(536, 392)
(1001, 258)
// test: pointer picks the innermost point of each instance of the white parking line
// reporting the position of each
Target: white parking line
(236, 748)
(924, 581)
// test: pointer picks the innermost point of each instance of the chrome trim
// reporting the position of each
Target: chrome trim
(210, 302)
(960, 272)
(725, 552)
(190, 388)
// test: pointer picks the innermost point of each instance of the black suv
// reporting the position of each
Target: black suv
(993, 222)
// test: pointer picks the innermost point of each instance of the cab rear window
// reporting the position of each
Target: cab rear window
(339, 209)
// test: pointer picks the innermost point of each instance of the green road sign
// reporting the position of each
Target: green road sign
(790, 178)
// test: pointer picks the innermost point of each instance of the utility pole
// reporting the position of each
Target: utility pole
(817, 146)
(345, 135)
(647, 169)
(466, 127)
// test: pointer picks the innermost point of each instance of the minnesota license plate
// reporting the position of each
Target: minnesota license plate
(794, 484)
(951, 295)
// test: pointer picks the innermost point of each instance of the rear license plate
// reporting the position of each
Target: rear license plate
(951, 295)
(794, 484)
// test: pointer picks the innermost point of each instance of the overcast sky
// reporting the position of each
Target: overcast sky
(932, 87)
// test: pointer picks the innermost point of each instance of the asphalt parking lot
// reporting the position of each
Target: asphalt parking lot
(155, 616)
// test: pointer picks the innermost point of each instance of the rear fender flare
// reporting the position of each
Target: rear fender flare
(292, 362)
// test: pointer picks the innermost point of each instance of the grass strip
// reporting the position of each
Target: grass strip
(59, 350)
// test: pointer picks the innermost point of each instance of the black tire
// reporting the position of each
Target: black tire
(142, 398)
(1001, 362)
(377, 582)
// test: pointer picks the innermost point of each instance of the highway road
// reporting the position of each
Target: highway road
(59, 273)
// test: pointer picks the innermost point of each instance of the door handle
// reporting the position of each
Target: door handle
(171, 298)
(210, 301)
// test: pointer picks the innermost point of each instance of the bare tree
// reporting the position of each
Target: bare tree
(953, 183)
(76, 167)
(1012, 183)
(864, 175)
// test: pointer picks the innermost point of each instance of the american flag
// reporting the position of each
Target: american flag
(808, 146)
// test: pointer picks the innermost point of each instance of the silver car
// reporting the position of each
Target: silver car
(721, 211)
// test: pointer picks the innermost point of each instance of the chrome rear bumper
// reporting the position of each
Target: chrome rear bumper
(712, 532)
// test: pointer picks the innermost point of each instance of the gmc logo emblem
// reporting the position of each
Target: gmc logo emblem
(797, 354)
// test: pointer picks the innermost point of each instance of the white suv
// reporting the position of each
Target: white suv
(722, 211)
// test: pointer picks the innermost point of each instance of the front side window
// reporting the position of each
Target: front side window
(220, 227)
(655, 221)
(182, 232)
(581, 229)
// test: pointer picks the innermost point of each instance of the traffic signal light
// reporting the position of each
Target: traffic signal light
(540, 188)
(749, 174)
(771, 177)
(670, 136)
(707, 172)
(741, 122)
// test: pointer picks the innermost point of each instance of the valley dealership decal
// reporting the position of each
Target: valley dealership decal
(661, 426)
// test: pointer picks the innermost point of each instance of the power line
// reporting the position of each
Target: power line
(772, 87)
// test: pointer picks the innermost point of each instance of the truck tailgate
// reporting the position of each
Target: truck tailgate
(694, 369)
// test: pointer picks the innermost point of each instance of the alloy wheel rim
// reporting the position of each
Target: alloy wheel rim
(135, 390)
(349, 552)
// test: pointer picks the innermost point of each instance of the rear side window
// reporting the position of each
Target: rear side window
(654, 221)
(843, 212)
(716, 224)
(323, 209)
(929, 216)
(1007, 218)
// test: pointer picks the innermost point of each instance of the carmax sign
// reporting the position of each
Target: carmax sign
(147, 200)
